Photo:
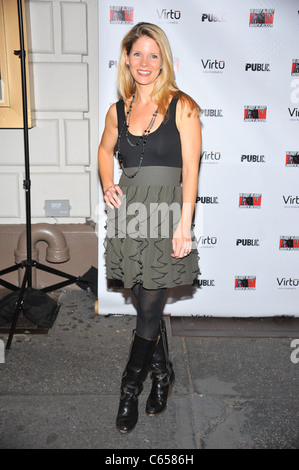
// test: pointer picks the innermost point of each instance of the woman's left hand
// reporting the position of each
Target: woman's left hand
(181, 244)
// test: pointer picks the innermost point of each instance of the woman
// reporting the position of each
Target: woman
(156, 130)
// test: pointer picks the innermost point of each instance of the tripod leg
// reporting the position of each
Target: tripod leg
(6, 284)
(18, 308)
(71, 279)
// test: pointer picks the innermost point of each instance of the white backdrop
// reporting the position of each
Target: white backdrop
(240, 62)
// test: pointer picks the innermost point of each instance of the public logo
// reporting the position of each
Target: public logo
(255, 113)
(288, 243)
(252, 158)
(213, 66)
(207, 199)
(121, 15)
(113, 63)
(210, 157)
(250, 200)
(214, 17)
(295, 67)
(260, 18)
(257, 67)
(214, 113)
(247, 242)
(292, 159)
(205, 283)
(245, 282)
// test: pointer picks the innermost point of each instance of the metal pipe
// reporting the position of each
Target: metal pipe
(57, 250)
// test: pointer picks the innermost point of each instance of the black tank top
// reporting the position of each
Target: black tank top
(163, 147)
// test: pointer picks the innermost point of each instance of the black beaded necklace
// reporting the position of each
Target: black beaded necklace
(141, 140)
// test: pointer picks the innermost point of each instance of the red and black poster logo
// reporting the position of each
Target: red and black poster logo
(121, 15)
(250, 200)
(295, 67)
(288, 243)
(245, 282)
(292, 159)
(255, 113)
(261, 17)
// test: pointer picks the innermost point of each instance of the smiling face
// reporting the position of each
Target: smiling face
(145, 61)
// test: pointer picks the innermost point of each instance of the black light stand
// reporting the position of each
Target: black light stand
(28, 264)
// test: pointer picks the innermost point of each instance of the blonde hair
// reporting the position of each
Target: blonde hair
(165, 87)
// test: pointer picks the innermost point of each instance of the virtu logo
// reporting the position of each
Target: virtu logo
(169, 15)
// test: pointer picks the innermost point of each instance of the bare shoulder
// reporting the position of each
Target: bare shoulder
(111, 116)
(187, 110)
(109, 137)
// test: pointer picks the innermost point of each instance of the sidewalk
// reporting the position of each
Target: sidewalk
(61, 390)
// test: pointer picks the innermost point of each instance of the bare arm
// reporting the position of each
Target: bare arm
(106, 159)
(190, 133)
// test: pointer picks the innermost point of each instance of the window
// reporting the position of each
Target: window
(11, 107)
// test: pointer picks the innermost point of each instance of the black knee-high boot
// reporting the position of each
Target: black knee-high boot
(162, 375)
(132, 382)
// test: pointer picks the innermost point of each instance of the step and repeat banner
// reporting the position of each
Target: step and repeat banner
(240, 62)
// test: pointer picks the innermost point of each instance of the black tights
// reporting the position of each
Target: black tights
(149, 310)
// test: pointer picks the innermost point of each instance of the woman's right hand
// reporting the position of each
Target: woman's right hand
(111, 196)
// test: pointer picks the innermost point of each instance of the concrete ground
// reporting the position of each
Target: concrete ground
(61, 390)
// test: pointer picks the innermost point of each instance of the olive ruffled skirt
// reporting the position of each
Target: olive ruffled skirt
(138, 243)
